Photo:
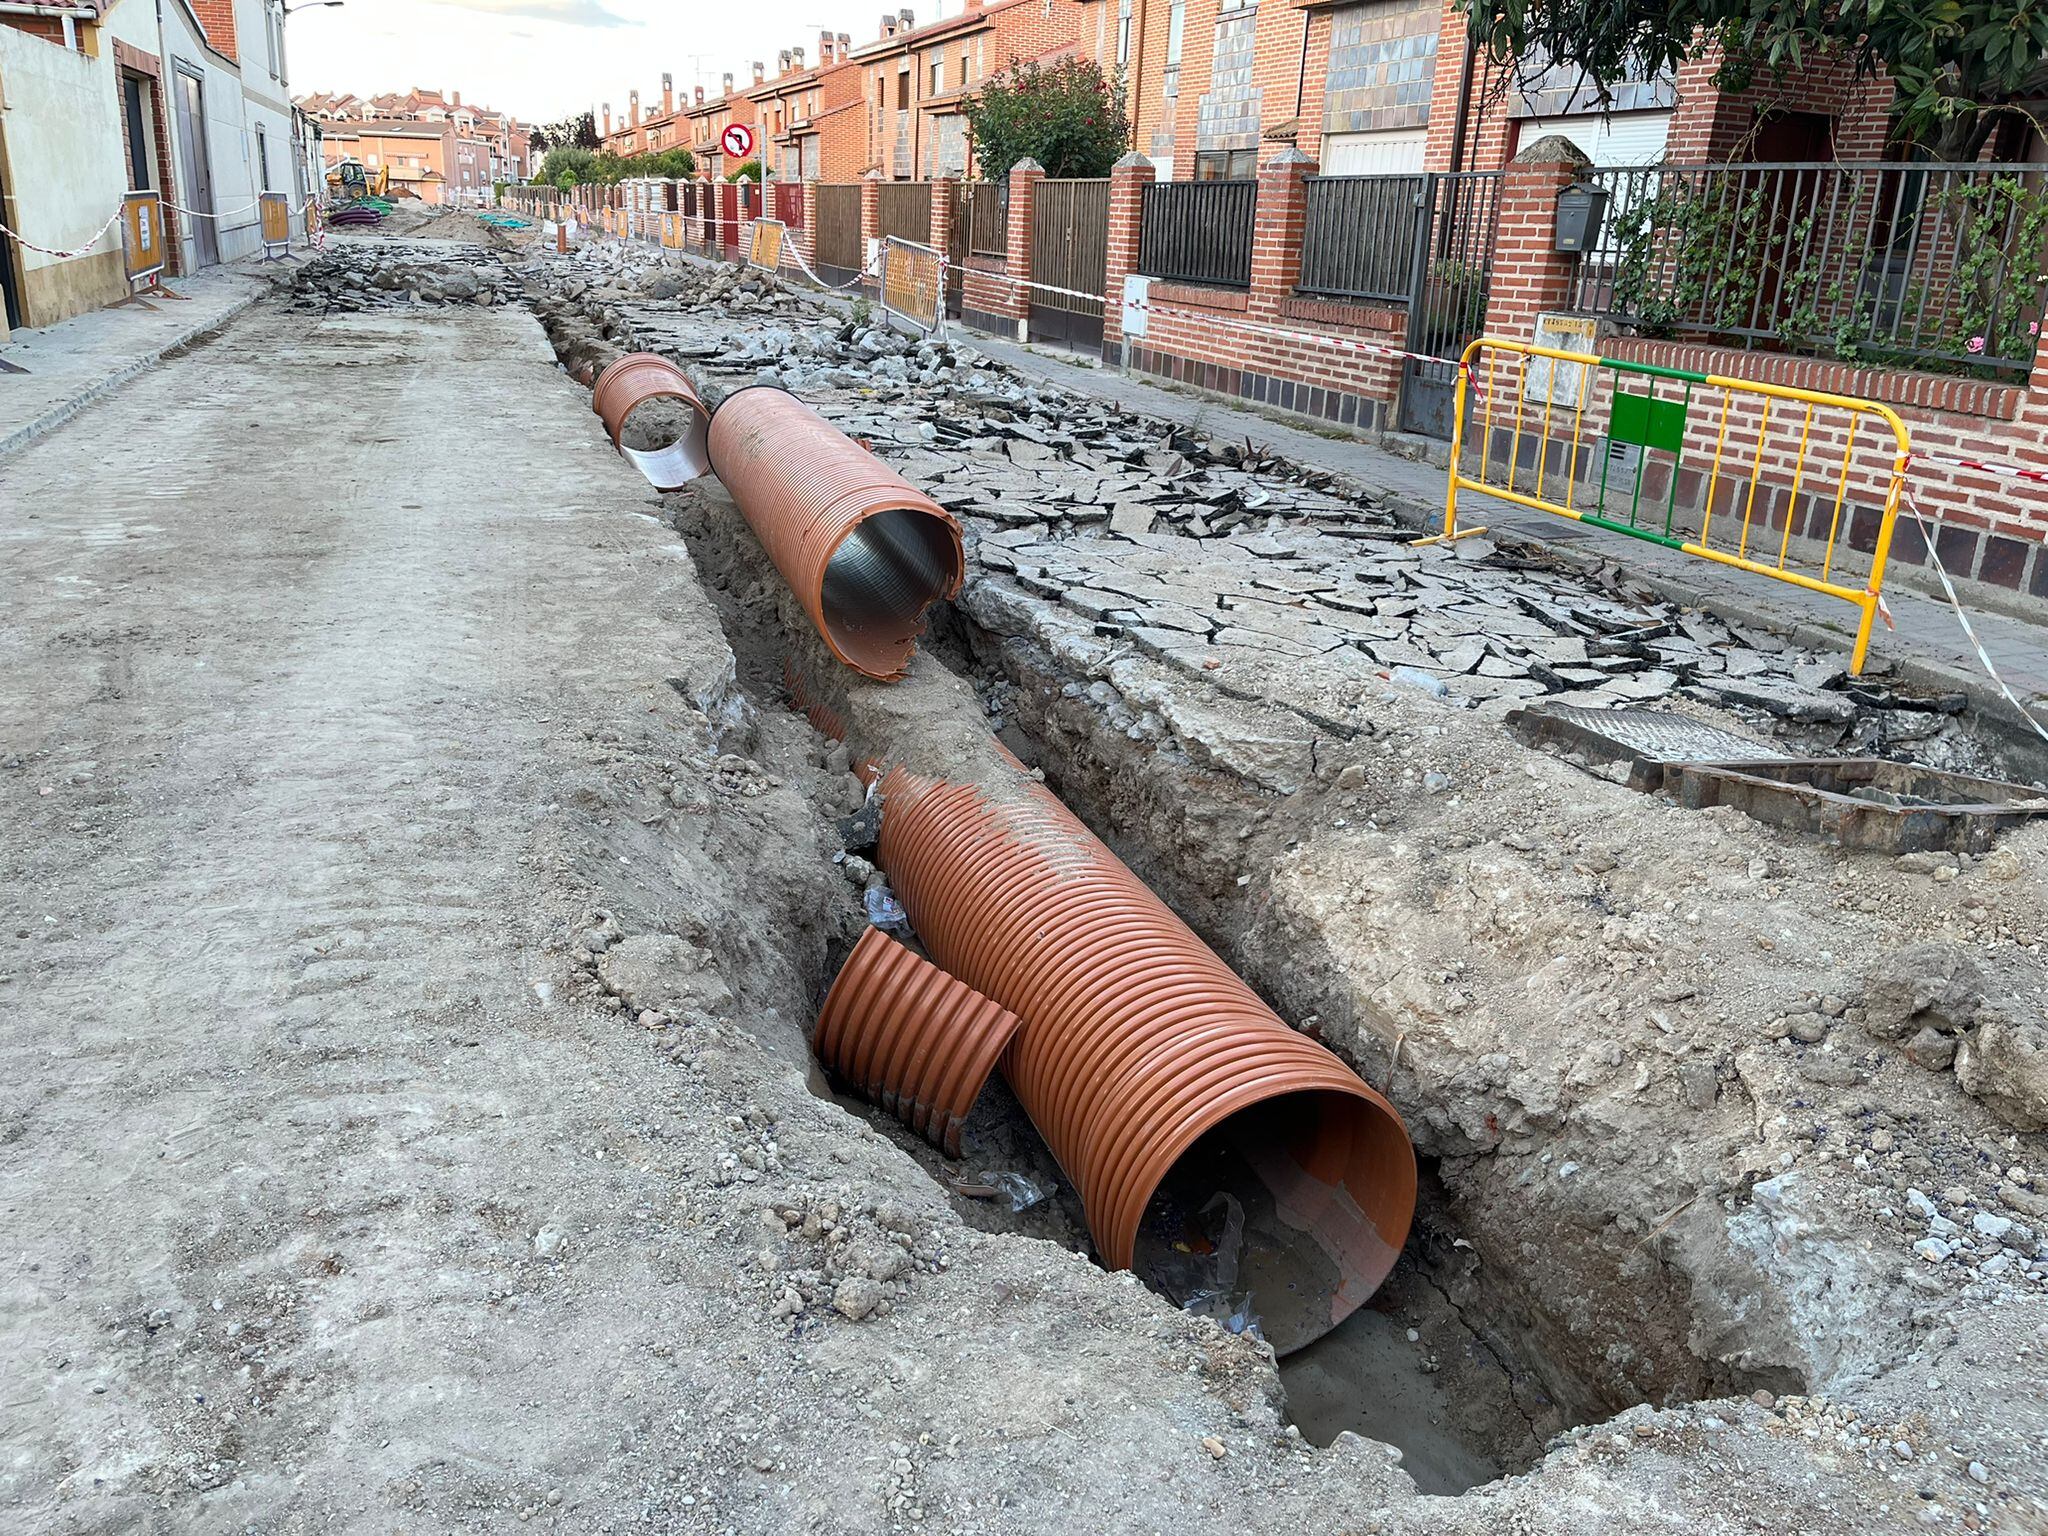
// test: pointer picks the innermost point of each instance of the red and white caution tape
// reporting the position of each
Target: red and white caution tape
(1314, 338)
(112, 218)
(2002, 468)
(63, 255)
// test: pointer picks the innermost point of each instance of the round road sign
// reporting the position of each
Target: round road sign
(737, 140)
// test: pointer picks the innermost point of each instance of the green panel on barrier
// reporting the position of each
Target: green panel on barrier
(1649, 422)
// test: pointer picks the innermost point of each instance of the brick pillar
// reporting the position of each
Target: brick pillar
(1528, 276)
(807, 237)
(870, 220)
(1128, 179)
(1277, 226)
(945, 203)
(1025, 176)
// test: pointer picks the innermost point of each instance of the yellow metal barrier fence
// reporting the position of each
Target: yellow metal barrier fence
(1534, 450)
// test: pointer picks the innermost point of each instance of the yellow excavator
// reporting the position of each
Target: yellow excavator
(348, 181)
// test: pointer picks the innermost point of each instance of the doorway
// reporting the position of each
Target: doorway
(10, 276)
(196, 164)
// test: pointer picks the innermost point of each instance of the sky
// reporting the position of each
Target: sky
(543, 59)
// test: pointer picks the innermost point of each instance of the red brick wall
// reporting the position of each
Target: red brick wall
(218, 18)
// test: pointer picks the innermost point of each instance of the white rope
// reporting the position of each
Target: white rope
(1969, 630)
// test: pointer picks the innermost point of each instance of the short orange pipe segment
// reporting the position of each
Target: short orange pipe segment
(906, 1036)
(628, 383)
(864, 551)
(1143, 1059)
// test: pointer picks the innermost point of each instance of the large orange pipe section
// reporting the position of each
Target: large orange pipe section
(1138, 1042)
(865, 553)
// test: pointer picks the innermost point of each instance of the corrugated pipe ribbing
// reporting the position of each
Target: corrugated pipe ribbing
(1143, 1059)
(906, 1036)
(865, 553)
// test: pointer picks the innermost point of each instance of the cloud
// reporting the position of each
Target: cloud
(572, 13)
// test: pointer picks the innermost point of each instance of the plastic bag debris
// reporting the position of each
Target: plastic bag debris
(1018, 1190)
(884, 910)
(1233, 1312)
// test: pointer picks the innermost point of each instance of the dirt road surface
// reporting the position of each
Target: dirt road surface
(408, 929)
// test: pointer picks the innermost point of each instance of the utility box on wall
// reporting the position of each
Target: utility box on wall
(1580, 208)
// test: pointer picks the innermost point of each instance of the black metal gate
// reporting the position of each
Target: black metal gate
(1448, 282)
(1069, 250)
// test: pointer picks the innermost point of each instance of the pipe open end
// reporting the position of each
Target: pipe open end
(665, 438)
(891, 566)
(1291, 1212)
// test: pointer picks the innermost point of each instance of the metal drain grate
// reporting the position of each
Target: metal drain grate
(1647, 740)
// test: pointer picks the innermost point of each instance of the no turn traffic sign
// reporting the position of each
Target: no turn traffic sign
(737, 140)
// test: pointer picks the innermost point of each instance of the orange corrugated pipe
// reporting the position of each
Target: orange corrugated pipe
(628, 383)
(865, 553)
(1141, 1048)
(906, 1036)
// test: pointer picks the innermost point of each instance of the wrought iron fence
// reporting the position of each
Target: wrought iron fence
(1902, 263)
(988, 218)
(1359, 238)
(1198, 231)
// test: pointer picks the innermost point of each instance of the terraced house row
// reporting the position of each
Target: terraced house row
(1327, 204)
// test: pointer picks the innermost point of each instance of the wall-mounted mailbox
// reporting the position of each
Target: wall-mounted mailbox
(1580, 208)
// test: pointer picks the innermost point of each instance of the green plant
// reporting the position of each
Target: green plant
(1957, 67)
(1067, 116)
(1739, 257)
(751, 169)
(861, 312)
(579, 165)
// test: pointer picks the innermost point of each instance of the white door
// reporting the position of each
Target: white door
(1390, 152)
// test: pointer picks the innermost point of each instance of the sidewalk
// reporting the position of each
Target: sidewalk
(75, 362)
(1928, 645)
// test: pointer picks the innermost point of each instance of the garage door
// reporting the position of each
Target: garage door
(1395, 152)
(1622, 138)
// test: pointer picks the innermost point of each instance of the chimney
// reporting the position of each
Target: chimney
(781, 63)
(760, 72)
(845, 48)
(905, 22)
(633, 101)
(668, 94)
(607, 120)
(888, 27)
(798, 55)
(725, 85)
(456, 99)
(824, 49)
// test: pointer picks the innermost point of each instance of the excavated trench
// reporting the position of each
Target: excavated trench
(1468, 1358)
(1443, 1361)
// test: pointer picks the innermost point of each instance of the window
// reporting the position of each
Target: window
(136, 121)
(1227, 165)
(1123, 34)
(963, 66)
(903, 91)
(263, 159)
(939, 71)
(273, 40)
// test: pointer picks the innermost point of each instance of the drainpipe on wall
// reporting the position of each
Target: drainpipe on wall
(1464, 104)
